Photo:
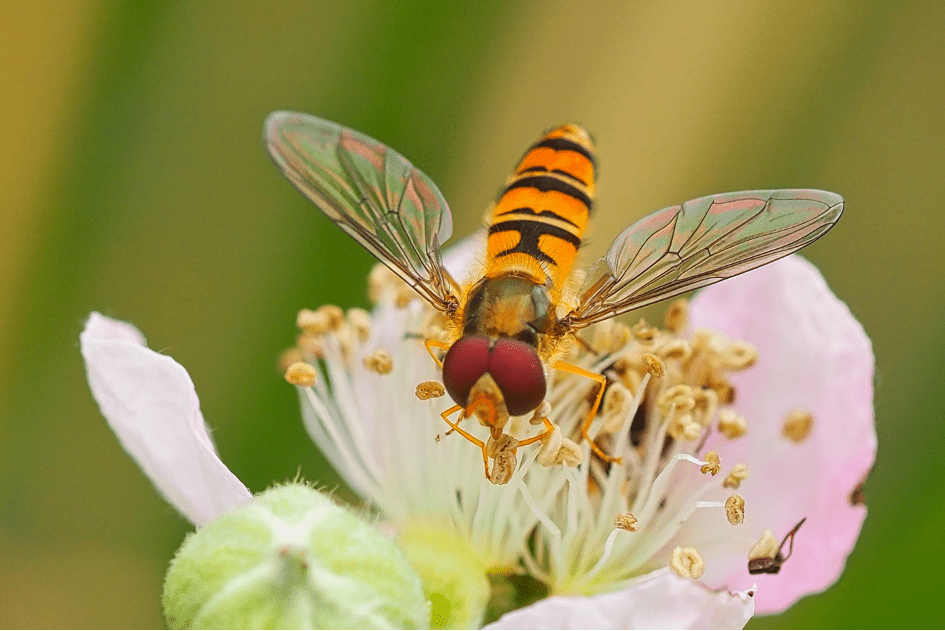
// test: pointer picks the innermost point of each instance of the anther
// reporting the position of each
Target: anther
(679, 396)
(713, 464)
(540, 414)
(288, 357)
(654, 365)
(626, 522)
(430, 390)
(380, 362)
(739, 355)
(797, 425)
(677, 315)
(735, 509)
(382, 281)
(360, 321)
(731, 424)
(311, 322)
(496, 445)
(683, 427)
(706, 401)
(550, 446)
(687, 563)
(675, 349)
(617, 401)
(311, 345)
(643, 331)
(503, 466)
(736, 476)
(333, 315)
(570, 454)
(301, 374)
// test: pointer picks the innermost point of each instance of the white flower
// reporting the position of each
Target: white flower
(150, 403)
(287, 558)
(557, 523)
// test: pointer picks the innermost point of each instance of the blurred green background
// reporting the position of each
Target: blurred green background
(132, 181)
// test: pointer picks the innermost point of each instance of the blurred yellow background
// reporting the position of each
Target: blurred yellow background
(132, 181)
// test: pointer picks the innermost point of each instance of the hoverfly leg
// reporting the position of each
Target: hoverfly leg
(534, 439)
(456, 428)
(602, 380)
(431, 344)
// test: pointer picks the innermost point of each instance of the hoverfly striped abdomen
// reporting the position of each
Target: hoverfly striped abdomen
(538, 223)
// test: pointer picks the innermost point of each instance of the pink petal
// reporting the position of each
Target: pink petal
(150, 403)
(657, 601)
(813, 355)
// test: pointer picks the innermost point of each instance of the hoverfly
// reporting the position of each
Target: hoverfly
(509, 326)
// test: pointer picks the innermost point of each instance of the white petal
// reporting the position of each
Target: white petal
(149, 402)
(657, 601)
(464, 258)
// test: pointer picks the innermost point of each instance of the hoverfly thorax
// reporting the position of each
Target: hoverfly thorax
(509, 306)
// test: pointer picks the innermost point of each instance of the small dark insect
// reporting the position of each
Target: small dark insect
(772, 565)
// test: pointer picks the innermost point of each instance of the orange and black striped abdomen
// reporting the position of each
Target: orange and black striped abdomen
(538, 222)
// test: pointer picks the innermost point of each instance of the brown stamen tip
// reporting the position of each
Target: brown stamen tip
(654, 365)
(430, 390)
(677, 315)
(626, 522)
(380, 362)
(687, 563)
(301, 374)
(735, 478)
(735, 509)
(731, 424)
(713, 463)
(857, 498)
(797, 425)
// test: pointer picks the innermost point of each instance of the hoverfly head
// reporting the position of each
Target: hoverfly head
(494, 378)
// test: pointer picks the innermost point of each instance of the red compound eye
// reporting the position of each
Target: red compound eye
(466, 361)
(514, 365)
(517, 370)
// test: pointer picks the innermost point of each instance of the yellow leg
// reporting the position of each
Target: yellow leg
(602, 380)
(431, 344)
(466, 435)
(534, 439)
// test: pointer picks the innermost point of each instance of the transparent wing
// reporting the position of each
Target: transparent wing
(371, 192)
(701, 242)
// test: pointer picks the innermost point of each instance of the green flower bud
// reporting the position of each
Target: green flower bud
(292, 559)
(454, 577)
